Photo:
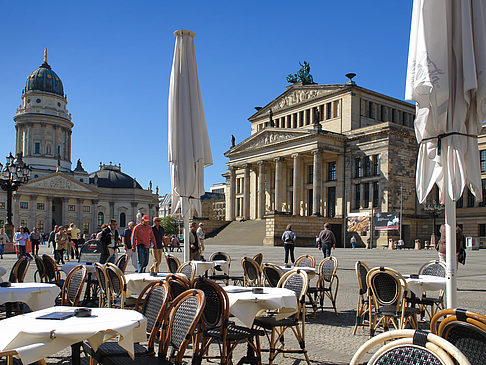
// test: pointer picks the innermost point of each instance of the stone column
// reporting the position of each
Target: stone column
(293, 120)
(134, 212)
(261, 190)
(316, 183)
(112, 211)
(278, 183)
(94, 215)
(48, 224)
(231, 194)
(64, 204)
(299, 119)
(297, 182)
(246, 191)
(306, 119)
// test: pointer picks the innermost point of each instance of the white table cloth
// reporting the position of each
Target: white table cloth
(35, 339)
(311, 271)
(246, 305)
(136, 282)
(425, 283)
(2, 272)
(68, 266)
(35, 295)
(203, 266)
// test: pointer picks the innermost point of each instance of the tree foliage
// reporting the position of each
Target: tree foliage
(169, 224)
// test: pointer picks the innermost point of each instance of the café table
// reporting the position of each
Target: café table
(136, 282)
(423, 283)
(35, 295)
(245, 305)
(203, 266)
(34, 339)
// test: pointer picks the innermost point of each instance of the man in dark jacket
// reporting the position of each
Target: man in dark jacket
(109, 238)
(327, 241)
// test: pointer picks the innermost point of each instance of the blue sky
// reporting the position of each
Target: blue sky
(115, 57)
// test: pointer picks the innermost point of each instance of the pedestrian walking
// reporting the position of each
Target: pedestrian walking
(142, 238)
(3, 241)
(60, 243)
(353, 242)
(194, 248)
(75, 236)
(158, 248)
(327, 241)
(127, 241)
(288, 238)
(35, 238)
(21, 237)
(201, 234)
(109, 238)
(52, 239)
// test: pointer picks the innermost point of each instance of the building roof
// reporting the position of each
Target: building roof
(110, 176)
(44, 79)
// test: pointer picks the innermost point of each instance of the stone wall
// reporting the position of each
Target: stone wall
(211, 226)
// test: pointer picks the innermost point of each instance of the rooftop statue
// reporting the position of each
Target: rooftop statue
(303, 75)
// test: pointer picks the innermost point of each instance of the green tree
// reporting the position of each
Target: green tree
(169, 224)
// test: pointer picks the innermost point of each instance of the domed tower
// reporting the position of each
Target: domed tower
(43, 123)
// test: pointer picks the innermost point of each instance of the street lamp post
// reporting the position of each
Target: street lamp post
(15, 173)
(433, 209)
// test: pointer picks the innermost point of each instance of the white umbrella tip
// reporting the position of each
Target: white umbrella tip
(182, 32)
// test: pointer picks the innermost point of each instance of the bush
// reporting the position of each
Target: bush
(169, 224)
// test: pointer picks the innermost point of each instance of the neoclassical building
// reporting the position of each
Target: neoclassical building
(320, 152)
(56, 194)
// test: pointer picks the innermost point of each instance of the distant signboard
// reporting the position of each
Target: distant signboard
(358, 222)
(386, 221)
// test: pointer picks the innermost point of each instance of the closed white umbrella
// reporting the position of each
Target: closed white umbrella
(189, 149)
(446, 77)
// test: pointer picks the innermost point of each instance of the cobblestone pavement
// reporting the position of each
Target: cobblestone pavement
(329, 338)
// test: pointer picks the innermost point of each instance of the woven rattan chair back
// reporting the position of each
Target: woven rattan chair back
(216, 310)
(385, 285)
(327, 268)
(104, 293)
(219, 255)
(298, 282)
(40, 274)
(409, 347)
(173, 262)
(434, 268)
(19, 269)
(305, 261)
(177, 285)
(117, 285)
(73, 286)
(361, 271)
(252, 272)
(258, 258)
(52, 271)
(122, 262)
(464, 329)
(188, 269)
(182, 317)
(272, 274)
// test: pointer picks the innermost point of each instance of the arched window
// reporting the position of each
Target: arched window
(123, 220)
(101, 218)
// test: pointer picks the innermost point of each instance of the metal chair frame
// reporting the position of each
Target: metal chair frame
(427, 304)
(104, 294)
(40, 273)
(362, 309)
(70, 295)
(117, 286)
(327, 283)
(252, 272)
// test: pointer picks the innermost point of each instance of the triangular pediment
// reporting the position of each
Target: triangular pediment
(298, 95)
(266, 138)
(58, 181)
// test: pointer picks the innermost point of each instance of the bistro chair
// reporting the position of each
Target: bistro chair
(464, 329)
(117, 287)
(216, 327)
(431, 305)
(271, 274)
(177, 285)
(327, 284)
(19, 269)
(122, 262)
(252, 272)
(217, 272)
(178, 327)
(258, 258)
(389, 291)
(172, 261)
(40, 274)
(189, 269)
(152, 303)
(362, 310)
(73, 286)
(297, 281)
(52, 272)
(305, 261)
(411, 347)
(104, 294)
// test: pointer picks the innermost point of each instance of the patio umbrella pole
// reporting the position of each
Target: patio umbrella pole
(450, 229)
(187, 232)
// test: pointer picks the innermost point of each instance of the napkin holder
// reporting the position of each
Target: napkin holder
(257, 290)
(82, 312)
(6, 284)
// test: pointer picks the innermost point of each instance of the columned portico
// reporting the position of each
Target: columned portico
(261, 190)
(278, 183)
(232, 196)
(246, 191)
(297, 185)
(316, 183)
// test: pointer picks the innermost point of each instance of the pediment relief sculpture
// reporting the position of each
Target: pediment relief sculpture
(58, 183)
(297, 97)
(267, 139)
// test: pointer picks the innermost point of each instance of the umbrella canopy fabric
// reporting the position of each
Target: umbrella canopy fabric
(189, 148)
(446, 77)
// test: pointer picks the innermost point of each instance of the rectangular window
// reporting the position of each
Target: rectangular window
(310, 174)
(460, 202)
(470, 199)
(482, 156)
(321, 111)
(371, 108)
(291, 177)
(308, 116)
(357, 167)
(23, 223)
(331, 202)
(382, 113)
(86, 208)
(483, 187)
(2, 205)
(366, 196)
(328, 111)
(41, 206)
(393, 118)
(375, 165)
(357, 196)
(24, 205)
(482, 230)
(331, 171)
(367, 166)
(376, 194)
(40, 226)
(37, 148)
(71, 208)
(85, 227)
(336, 109)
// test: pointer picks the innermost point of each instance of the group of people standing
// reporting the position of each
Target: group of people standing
(66, 241)
(326, 241)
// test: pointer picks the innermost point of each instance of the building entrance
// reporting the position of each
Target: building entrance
(57, 212)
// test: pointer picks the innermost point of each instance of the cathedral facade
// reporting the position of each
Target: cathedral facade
(57, 194)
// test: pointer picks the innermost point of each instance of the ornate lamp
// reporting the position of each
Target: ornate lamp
(433, 208)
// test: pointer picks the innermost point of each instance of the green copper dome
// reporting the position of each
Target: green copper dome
(44, 79)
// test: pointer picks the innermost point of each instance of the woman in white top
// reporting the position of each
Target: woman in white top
(20, 239)
(3, 240)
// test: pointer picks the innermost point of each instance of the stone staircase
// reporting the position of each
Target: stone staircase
(246, 233)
